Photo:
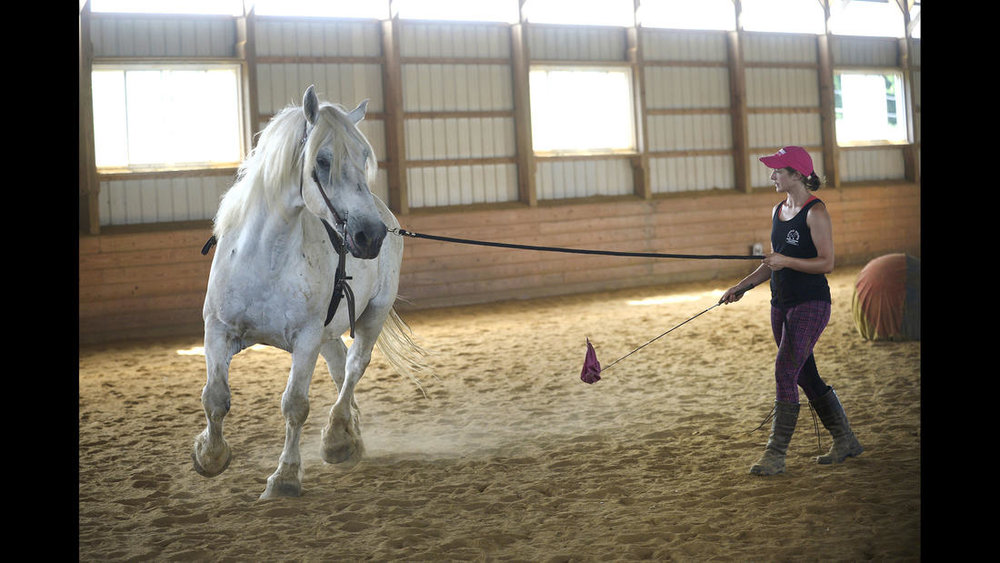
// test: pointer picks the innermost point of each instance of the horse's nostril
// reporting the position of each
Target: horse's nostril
(361, 239)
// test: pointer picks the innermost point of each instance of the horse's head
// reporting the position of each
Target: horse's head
(340, 162)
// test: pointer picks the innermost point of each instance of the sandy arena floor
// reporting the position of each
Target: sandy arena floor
(510, 456)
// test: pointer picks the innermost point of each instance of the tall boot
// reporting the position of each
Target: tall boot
(834, 419)
(782, 426)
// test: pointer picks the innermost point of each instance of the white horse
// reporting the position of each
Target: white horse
(274, 272)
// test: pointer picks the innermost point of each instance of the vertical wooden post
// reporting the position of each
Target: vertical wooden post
(520, 67)
(738, 109)
(246, 49)
(89, 187)
(827, 113)
(392, 88)
(634, 55)
(911, 164)
(827, 109)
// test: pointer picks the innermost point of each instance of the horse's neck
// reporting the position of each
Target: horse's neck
(267, 225)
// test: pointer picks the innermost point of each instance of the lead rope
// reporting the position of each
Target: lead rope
(767, 419)
(770, 415)
(405, 233)
(819, 445)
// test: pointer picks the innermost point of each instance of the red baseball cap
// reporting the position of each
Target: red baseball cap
(795, 157)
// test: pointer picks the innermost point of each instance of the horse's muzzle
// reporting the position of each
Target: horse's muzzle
(364, 238)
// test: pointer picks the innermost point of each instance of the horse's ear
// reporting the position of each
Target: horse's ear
(358, 113)
(310, 104)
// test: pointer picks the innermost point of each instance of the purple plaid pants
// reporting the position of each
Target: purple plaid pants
(796, 330)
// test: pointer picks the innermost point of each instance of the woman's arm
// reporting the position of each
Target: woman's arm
(757, 277)
(735, 293)
(821, 227)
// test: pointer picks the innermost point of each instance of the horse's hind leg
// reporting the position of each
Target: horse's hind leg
(211, 453)
(341, 440)
(286, 481)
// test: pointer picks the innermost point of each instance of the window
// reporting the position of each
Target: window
(322, 8)
(794, 16)
(581, 12)
(227, 7)
(684, 14)
(581, 110)
(458, 10)
(870, 107)
(873, 18)
(167, 117)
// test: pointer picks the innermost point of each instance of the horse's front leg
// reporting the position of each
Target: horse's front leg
(342, 434)
(342, 441)
(211, 453)
(286, 481)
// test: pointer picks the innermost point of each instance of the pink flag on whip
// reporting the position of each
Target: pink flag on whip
(591, 367)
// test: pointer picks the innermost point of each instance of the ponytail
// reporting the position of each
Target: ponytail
(813, 182)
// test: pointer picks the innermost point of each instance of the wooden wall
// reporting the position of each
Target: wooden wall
(707, 108)
(152, 284)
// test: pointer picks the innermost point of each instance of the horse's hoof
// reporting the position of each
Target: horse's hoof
(346, 455)
(214, 465)
(347, 451)
(279, 489)
(206, 473)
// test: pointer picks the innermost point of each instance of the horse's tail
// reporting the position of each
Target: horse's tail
(402, 353)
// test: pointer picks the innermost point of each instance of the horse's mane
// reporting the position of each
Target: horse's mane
(277, 161)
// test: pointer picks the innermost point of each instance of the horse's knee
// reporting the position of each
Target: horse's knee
(216, 400)
(295, 408)
(358, 363)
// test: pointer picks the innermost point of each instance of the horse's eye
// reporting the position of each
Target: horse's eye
(323, 162)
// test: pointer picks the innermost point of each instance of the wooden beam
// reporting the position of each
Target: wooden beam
(246, 49)
(522, 114)
(827, 113)
(395, 135)
(911, 160)
(89, 187)
(640, 164)
(738, 109)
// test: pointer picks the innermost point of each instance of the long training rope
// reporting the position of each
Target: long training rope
(609, 366)
(741, 291)
(405, 233)
(770, 415)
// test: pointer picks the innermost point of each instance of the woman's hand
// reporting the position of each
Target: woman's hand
(732, 295)
(735, 293)
(775, 261)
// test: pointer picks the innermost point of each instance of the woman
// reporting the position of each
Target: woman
(801, 256)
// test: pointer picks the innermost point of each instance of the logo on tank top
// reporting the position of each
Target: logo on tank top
(792, 237)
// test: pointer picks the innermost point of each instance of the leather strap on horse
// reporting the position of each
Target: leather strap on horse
(341, 288)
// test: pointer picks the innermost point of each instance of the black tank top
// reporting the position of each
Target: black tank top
(793, 238)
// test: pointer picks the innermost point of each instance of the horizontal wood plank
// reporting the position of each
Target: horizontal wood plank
(152, 284)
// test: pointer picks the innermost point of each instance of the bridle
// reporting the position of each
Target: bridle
(338, 239)
(341, 288)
